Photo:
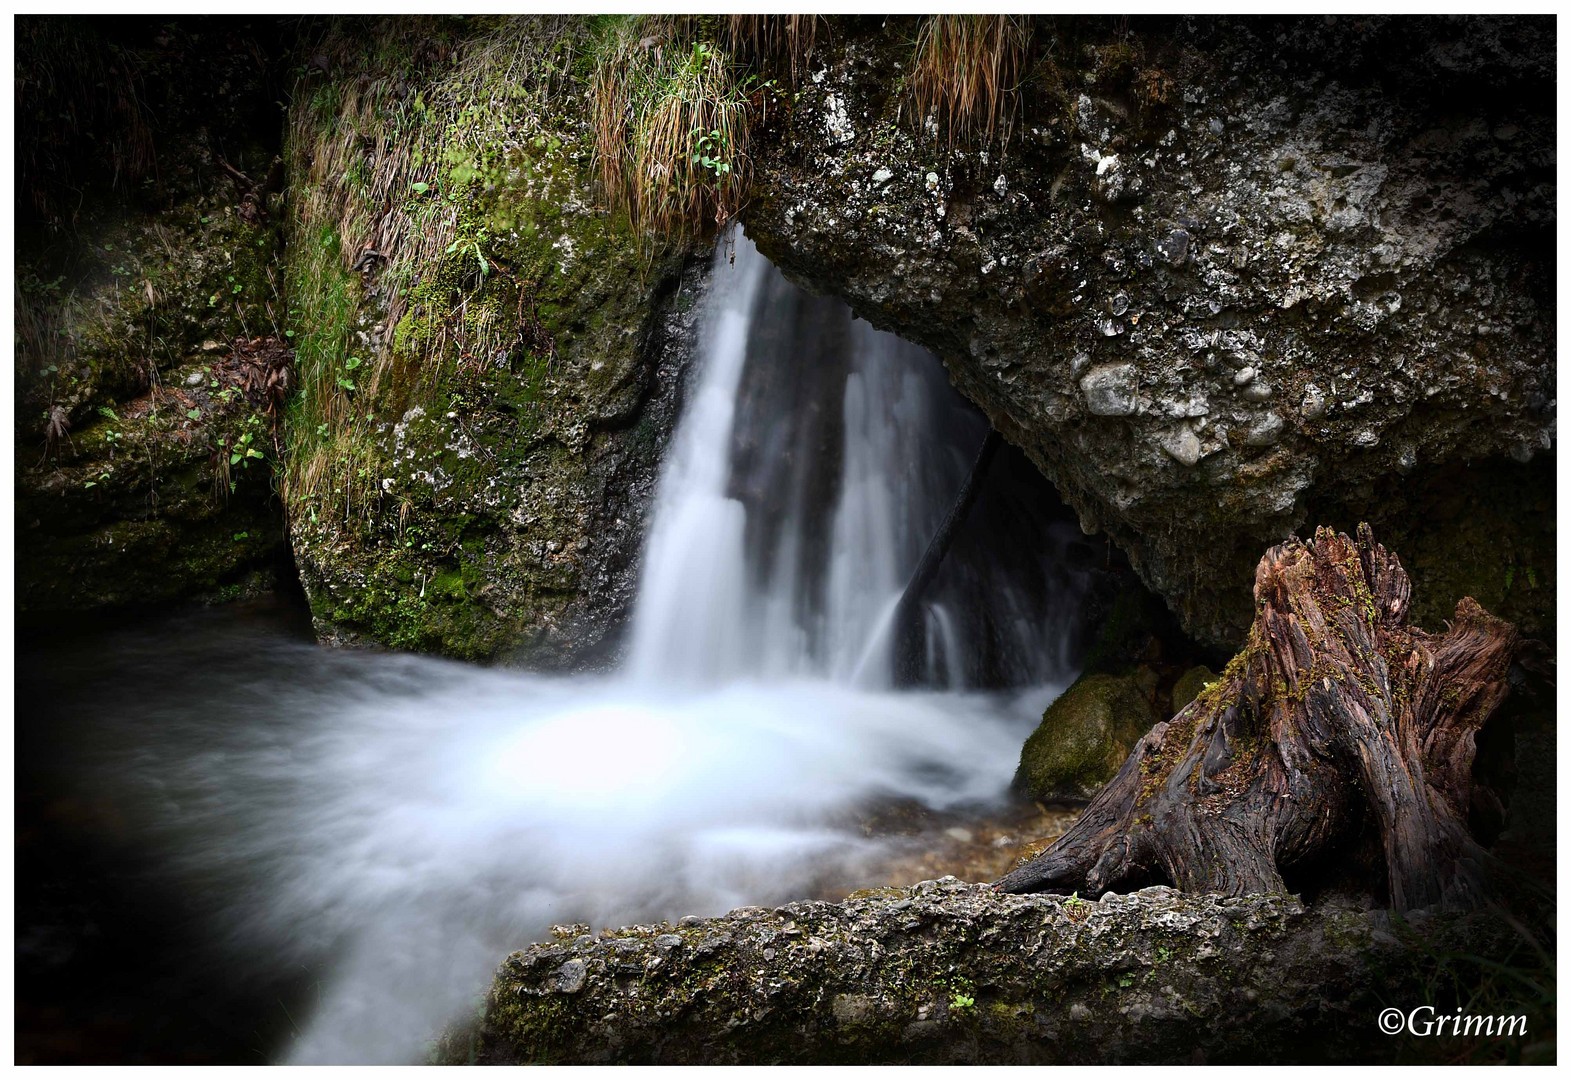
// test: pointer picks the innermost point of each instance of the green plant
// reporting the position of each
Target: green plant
(962, 1001)
(672, 125)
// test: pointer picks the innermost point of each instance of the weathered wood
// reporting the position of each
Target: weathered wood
(909, 642)
(1336, 712)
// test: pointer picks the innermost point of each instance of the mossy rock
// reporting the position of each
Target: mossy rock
(1189, 685)
(500, 402)
(1085, 735)
(138, 508)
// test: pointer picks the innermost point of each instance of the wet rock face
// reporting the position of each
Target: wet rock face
(946, 972)
(533, 529)
(503, 469)
(1222, 271)
(147, 504)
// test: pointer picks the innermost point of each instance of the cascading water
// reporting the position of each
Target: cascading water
(783, 536)
(391, 825)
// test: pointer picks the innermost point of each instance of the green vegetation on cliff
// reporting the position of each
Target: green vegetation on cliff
(477, 335)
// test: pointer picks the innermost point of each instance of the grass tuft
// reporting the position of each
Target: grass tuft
(380, 161)
(671, 124)
(965, 75)
(785, 39)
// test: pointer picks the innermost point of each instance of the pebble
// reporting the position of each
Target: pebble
(1183, 445)
(1110, 390)
(1314, 406)
(1175, 247)
(1266, 431)
(571, 976)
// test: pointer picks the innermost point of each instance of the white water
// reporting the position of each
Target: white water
(399, 823)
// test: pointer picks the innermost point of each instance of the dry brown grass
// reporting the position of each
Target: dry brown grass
(671, 128)
(965, 75)
(783, 38)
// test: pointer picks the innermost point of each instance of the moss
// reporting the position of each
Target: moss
(140, 507)
(441, 482)
(1190, 684)
(1085, 736)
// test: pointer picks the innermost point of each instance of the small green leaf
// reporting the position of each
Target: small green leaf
(91, 483)
(234, 459)
(194, 414)
(420, 187)
(289, 333)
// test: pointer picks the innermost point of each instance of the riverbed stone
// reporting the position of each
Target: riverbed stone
(1085, 735)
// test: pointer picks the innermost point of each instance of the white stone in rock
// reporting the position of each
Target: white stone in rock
(1110, 390)
(1183, 445)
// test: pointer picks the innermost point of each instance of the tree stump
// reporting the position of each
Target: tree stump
(1335, 714)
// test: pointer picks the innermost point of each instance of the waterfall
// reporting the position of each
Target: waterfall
(692, 602)
(387, 827)
(782, 537)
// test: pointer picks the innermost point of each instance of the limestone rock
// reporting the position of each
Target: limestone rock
(949, 973)
(1323, 204)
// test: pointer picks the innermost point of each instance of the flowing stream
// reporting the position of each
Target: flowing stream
(381, 829)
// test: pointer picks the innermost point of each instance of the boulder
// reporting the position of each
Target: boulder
(1189, 685)
(1085, 735)
(480, 430)
(1226, 279)
(149, 223)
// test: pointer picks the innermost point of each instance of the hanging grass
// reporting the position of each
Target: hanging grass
(783, 39)
(671, 125)
(965, 75)
(374, 160)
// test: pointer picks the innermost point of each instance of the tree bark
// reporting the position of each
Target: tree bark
(1336, 712)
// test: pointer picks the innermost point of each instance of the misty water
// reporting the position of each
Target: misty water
(376, 831)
